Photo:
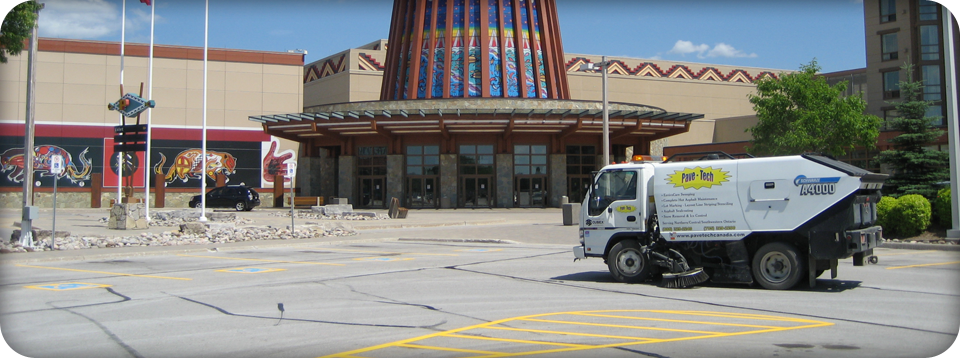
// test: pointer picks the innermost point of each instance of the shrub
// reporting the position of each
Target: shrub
(942, 209)
(884, 207)
(910, 216)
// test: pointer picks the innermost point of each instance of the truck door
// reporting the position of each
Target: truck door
(613, 201)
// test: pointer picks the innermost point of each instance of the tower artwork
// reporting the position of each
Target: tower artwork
(474, 48)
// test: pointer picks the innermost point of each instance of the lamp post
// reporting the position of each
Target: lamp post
(606, 110)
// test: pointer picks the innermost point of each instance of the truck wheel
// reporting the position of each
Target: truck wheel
(627, 263)
(777, 266)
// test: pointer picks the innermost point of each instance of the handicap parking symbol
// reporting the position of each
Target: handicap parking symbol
(67, 286)
(251, 270)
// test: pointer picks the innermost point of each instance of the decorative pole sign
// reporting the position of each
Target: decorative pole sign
(131, 105)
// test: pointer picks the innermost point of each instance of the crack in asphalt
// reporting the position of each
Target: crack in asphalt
(111, 290)
(271, 318)
(113, 337)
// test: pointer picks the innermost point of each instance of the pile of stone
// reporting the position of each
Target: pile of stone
(176, 218)
(190, 233)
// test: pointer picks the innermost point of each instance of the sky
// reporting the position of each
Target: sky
(775, 34)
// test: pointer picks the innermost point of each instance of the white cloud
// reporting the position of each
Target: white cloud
(79, 19)
(703, 50)
(724, 50)
(91, 19)
(685, 47)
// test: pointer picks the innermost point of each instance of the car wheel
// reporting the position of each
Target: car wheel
(778, 266)
(241, 206)
(627, 263)
(195, 205)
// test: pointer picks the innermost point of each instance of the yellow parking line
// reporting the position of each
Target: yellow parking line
(107, 273)
(517, 341)
(619, 326)
(263, 260)
(732, 315)
(408, 345)
(923, 265)
(676, 321)
(573, 333)
(388, 252)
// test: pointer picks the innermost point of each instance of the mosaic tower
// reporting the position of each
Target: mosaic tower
(474, 48)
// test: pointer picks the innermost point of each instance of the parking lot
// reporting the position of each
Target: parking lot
(448, 292)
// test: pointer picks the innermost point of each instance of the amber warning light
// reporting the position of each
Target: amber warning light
(645, 158)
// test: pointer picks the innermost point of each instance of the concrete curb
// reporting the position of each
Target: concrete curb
(908, 246)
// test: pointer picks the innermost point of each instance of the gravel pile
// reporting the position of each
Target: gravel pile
(228, 229)
(355, 215)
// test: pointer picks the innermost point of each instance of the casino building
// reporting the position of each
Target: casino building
(479, 107)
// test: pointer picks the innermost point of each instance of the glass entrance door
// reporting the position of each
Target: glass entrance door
(372, 192)
(475, 192)
(422, 192)
(531, 192)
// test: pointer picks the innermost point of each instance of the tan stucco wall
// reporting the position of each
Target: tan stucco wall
(74, 88)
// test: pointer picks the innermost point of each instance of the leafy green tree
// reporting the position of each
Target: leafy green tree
(17, 27)
(916, 168)
(800, 112)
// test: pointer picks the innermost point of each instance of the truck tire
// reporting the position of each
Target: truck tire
(627, 263)
(778, 266)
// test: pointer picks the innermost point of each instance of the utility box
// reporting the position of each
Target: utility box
(31, 212)
(571, 214)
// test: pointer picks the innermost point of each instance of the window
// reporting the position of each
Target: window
(476, 159)
(929, 42)
(888, 10)
(928, 10)
(935, 115)
(530, 160)
(372, 161)
(931, 82)
(891, 84)
(423, 160)
(611, 186)
(889, 116)
(888, 46)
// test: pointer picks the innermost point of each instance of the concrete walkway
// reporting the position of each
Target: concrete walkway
(484, 225)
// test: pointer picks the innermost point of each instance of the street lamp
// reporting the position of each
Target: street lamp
(606, 110)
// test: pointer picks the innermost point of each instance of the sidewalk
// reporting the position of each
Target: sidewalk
(87, 222)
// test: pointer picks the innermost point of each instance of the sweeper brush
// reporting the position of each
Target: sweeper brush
(684, 279)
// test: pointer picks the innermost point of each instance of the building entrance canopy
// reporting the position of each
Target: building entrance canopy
(335, 124)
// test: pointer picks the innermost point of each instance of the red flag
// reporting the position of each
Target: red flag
(146, 2)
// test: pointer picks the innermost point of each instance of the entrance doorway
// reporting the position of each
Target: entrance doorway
(531, 191)
(475, 192)
(372, 192)
(423, 176)
(421, 192)
(372, 175)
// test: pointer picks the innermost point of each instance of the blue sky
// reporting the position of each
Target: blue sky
(779, 34)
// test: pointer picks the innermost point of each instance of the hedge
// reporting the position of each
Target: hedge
(942, 209)
(907, 216)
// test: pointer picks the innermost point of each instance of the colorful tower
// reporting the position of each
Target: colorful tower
(474, 48)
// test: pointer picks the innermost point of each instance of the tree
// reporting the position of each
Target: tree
(916, 168)
(17, 27)
(800, 112)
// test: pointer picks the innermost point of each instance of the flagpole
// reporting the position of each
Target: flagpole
(203, 153)
(123, 34)
(146, 167)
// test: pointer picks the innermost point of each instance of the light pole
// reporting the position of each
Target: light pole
(29, 210)
(606, 110)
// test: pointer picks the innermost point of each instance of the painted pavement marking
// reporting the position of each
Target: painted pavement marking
(386, 252)
(106, 273)
(548, 336)
(479, 250)
(923, 265)
(251, 270)
(383, 259)
(66, 286)
(263, 260)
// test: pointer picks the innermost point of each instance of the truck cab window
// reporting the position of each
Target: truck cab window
(612, 186)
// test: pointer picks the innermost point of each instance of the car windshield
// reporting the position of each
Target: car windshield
(612, 186)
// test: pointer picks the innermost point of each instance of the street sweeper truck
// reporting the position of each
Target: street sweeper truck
(774, 221)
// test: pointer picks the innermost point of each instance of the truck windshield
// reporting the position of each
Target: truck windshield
(611, 186)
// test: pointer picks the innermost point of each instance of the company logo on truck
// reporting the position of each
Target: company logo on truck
(816, 186)
(696, 178)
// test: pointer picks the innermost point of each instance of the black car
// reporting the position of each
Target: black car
(239, 197)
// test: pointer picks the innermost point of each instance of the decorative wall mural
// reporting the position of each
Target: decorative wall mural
(650, 69)
(12, 161)
(189, 165)
(274, 162)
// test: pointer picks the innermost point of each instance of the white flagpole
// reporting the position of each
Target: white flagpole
(203, 169)
(953, 233)
(146, 167)
(120, 158)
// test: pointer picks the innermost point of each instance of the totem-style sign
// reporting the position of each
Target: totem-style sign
(188, 165)
(275, 162)
(131, 105)
(12, 160)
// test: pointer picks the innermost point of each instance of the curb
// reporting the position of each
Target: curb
(908, 246)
